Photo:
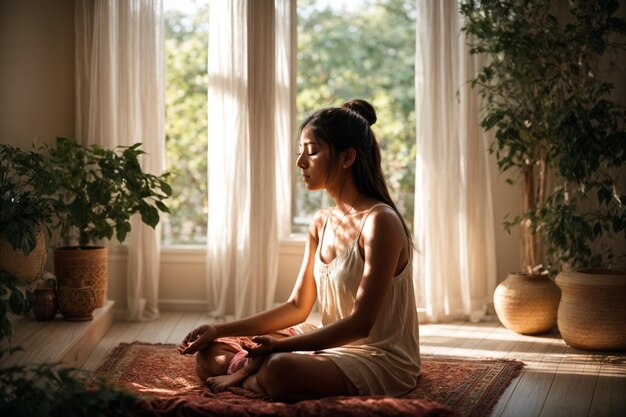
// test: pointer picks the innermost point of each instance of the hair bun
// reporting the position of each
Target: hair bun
(363, 108)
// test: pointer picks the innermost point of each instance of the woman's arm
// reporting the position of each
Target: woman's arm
(295, 310)
(384, 245)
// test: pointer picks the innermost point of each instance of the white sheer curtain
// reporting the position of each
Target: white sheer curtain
(454, 223)
(248, 114)
(120, 101)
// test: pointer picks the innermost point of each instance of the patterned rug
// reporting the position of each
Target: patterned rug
(447, 387)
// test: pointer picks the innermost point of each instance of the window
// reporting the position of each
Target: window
(186, 43)
(346, 49)
(349, 49)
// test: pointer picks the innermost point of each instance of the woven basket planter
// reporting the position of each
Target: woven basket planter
(77, 304)
(527, 303)
(82, 266)
(592, 311)
(25, 267)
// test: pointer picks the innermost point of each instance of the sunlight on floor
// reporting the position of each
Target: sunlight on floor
(542, 354)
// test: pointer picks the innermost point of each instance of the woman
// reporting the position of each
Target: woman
(357, 266)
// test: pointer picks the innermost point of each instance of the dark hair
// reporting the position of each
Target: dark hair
(349, 126)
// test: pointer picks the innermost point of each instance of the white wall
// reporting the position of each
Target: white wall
(36, 70)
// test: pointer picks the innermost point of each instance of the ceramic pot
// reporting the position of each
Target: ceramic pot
(44, 302)
(77, 304)
(82, 266)
(25, 267)
(592, 311)
(527, 303)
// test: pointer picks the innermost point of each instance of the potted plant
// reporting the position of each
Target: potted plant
(94, 191)
(556, 126)
(24, 214)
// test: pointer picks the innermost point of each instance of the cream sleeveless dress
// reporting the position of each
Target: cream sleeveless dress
(387, 362)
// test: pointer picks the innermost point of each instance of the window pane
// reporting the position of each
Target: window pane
(186, 43)
(364, 49)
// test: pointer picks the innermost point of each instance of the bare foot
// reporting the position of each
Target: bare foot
(223, 382)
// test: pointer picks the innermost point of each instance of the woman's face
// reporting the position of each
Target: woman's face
(313, 160)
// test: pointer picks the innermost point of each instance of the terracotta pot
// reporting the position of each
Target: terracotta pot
(25, 267)
(82, 266)
(44, 303)
(527, 303)
(592, 311)
(77, 304)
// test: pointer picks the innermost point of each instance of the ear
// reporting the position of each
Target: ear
(348, 157)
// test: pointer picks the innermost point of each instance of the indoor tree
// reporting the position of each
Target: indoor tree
(547, 96)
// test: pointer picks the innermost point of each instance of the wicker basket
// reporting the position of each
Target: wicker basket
(592, 311)
(527, 303)
(25, 267)
(82, 266)
(77, 304)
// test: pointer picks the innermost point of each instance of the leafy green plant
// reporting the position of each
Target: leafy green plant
(95, 190)
(547, 97)
(14, 299)
(56, 390)
(23, 208)
(87, 192)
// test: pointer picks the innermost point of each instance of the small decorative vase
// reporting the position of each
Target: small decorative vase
(77, 304)
(527, 303)
(592, 311)
(82, 266)
(29, 267)
(44, 304)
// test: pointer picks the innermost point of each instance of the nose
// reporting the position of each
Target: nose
(301, 162)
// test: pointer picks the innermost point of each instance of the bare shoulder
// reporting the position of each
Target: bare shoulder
(384, 224)
(315, 227)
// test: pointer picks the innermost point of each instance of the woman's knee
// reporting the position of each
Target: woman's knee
(294, 377)
(276, 376)
(213, 361)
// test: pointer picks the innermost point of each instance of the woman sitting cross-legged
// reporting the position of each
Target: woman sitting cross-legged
(357, 266)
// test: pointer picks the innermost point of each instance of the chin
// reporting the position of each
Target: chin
(313, 187)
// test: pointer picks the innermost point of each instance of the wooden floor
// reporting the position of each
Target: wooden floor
(557, 380)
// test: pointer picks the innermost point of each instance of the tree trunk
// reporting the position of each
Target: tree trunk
(533, 195)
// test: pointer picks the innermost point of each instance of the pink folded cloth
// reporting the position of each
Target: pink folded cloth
(237, 362)
(239, 343)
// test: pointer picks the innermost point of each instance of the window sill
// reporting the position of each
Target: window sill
(292, 245)
(294, 240)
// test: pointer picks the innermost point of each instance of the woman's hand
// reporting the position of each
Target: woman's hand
(197, 339)
(265, 345)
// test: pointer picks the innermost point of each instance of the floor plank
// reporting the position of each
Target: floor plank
(157, 330)
(609, 397)
(106, 345)
(542, 361)
(524, 348)
(58, 340)
(575, 379)
(186, 323)
(556, 381)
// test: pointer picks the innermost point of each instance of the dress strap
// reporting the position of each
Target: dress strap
(319, 245)
(369, 210)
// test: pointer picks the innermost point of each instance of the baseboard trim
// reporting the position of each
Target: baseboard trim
(173, 304)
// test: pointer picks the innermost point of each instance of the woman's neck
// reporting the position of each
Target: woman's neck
(344, 194)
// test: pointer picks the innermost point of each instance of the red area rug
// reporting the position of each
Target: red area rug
(447, 387)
